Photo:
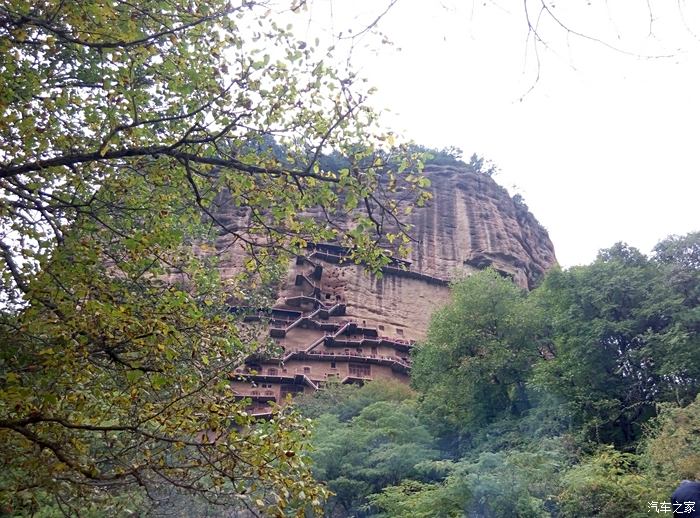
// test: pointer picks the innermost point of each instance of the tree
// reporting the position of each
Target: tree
(347, 401)
(416, 499)
(680, 255)
(679, 260)
(384, 444)
(501, 483)
(618, 334)
(474, 364)
(365, 438)
(608, 483)
(671, 446)
(121, 126)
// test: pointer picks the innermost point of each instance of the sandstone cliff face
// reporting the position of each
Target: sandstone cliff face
(334, 320)
(472, 223)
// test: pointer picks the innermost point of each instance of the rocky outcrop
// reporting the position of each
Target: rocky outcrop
(472, 223)
(334, 320)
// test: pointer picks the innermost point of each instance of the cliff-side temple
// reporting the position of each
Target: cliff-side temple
(326, 335)
(333, 320)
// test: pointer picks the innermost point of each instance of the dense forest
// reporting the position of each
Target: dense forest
(576, 399)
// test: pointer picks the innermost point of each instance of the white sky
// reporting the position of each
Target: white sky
(603, 149)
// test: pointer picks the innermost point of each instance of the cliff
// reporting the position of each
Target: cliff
(472, 223)
(333, 320)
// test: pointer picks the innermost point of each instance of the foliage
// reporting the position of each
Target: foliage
(347, 401)
(111, 378)
(617, 327)
(545, 421)
(416, 499)
(679, 260)
(379, 447)
(123, 130)
(519, 202)
(606, 484)
(450, 156)
(492, 484)
(681, 251)
(479, 165)
(367, 439)
(473, 367)
(512, 483)
(178, 87)
(611, 483)
(671, 449)
(524, 394)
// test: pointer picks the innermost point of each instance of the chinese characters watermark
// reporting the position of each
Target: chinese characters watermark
(671, 507)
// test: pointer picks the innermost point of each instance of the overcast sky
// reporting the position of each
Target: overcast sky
(604, 147)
